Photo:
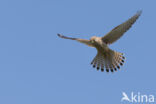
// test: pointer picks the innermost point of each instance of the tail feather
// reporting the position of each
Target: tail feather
(119, 58)
(110, 61)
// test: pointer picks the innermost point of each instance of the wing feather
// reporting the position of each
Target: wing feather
(118, 31)
(87, 42)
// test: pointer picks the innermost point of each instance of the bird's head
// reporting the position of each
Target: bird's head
(93, 39)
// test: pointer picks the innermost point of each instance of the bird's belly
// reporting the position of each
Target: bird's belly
(102, 48)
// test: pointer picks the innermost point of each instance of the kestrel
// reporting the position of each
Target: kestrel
(106, 58)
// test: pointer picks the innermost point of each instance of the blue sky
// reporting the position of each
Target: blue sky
(37, 67)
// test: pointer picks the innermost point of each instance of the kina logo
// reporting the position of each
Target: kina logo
(137, 98)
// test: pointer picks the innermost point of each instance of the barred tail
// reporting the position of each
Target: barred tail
(109, 61)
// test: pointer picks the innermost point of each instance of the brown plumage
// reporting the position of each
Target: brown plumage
(107, 59)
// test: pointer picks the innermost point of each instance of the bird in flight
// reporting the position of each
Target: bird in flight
(106, 58)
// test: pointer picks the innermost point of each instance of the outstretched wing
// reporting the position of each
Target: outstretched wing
(118, 31)
(87, 42)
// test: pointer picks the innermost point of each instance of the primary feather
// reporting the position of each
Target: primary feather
(119, 30)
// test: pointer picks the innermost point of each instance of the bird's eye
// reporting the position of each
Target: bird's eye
(92, 41)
